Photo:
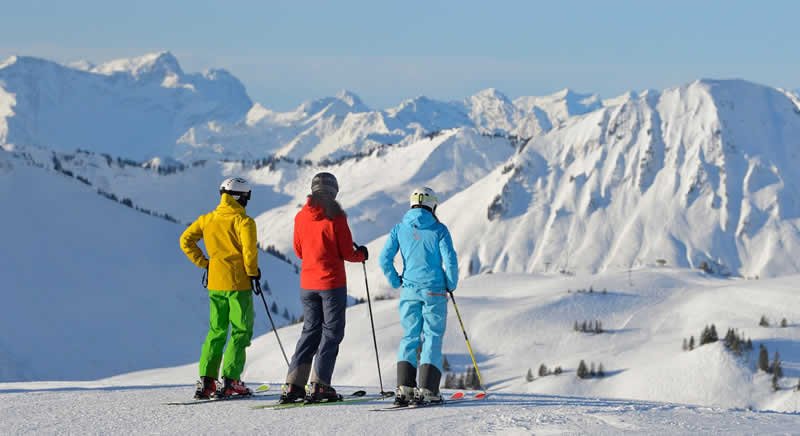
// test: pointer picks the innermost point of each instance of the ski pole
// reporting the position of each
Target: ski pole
(257, 287)
(372, 324)
(469, 347)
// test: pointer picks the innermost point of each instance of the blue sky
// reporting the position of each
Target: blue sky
(286, 52)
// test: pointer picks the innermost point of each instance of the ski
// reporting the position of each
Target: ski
(457, 397)
(355, 397)
(258, 394)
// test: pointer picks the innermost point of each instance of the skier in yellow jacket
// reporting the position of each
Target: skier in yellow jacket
(232, 265)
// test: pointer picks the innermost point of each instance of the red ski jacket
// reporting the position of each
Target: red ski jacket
(323, 244)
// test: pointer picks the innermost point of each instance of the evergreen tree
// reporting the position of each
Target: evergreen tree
(584, 327)
(542, 370)
(460, 383)
(468, 379)
(706, 333)
(529, 376)
(600, 371)
(737, 346)
(712, 334)
(576, 327)
(784, 323)
(775, 367)
(592, 372)
(274, 308)
(691, 343)
(763, 321)
(798, 385)
(286, 314)
(476, 383)
(775, 382)
(763, 359)
(445, 365)
(749, 345)
(558, 370)
(582, 371)
(685, 345)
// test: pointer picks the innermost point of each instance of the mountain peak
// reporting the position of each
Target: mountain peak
(349, 97)
(492, 93)
(10, 61)
(162, 62)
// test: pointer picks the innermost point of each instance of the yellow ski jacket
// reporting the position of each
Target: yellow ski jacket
(230, 238)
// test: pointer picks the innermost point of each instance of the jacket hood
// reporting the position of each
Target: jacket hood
(419, 218)
(227, 205)
(322, 208)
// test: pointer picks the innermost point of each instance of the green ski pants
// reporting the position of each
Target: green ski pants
(234, 308)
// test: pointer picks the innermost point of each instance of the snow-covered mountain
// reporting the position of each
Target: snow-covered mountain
(601, 190)
(96, 285)
(136, 108)
(699, 175)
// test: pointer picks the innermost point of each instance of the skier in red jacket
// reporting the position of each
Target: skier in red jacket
(323, 241)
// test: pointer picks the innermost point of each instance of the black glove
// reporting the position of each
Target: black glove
(363, 249)
(257, 284)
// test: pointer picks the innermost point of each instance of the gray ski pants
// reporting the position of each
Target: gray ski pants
(323, 331)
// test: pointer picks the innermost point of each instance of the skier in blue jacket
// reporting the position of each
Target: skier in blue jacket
(430, 269)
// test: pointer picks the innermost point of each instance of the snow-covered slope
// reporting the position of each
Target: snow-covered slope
(518, 322)
(136, 108)
(703, 174)
(374, 187)
(93, 288)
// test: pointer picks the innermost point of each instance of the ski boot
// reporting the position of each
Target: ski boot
(231, 388)
(404, 395)
(291, 393)
(426, 397)
(205, 387)
(322, 393)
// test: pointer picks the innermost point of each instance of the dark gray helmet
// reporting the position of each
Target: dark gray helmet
(325, 183)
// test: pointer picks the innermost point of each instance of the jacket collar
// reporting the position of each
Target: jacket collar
(227, 205)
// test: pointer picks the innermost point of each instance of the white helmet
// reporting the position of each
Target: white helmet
(238, 188)
(424, 197)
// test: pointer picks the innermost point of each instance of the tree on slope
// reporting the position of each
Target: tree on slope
(763, 359)
(529, 376)
(582, 371)
(775, 367)
(542, 370)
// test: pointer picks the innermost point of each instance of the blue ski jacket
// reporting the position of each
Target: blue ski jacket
(429, 260)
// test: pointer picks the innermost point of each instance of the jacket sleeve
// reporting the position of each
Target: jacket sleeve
(298, 247)
(345, 240)
(387, 259)
(249, 237)
(449, 259)
(189, 239)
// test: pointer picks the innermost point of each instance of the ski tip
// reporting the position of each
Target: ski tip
(387, 394)
(457, 396)
(359, 394)
(480, 395)
(262, 388)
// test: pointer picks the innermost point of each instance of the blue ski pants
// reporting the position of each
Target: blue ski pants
(422, 311)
